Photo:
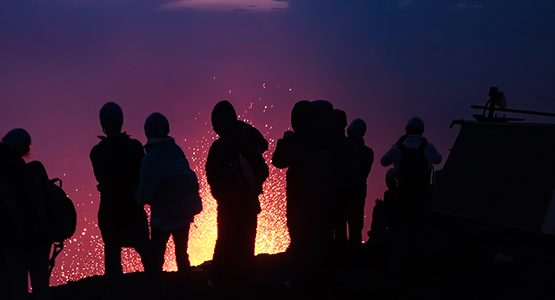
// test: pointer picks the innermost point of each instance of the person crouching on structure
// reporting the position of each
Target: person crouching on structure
(412, 157)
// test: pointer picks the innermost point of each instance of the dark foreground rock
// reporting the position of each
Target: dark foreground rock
(495, 278)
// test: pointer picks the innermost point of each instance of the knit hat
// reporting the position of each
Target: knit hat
(18, 140)
(156, 126)
(415, 126)
(357, 129)
(111, 117)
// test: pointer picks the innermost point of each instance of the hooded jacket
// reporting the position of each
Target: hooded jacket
(169, 185)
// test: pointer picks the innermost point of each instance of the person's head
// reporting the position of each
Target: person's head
(323, 116)
(111, 118)
(357, 129)
(301, 116)
(156, 126)
(415, 126)
(19, 141)
(339, 120)
(223, 117)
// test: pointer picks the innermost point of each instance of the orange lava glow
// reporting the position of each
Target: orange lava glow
(84, 252)
(272, 235)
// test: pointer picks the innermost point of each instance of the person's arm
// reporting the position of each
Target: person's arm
(390, 156)
(369, 161)
(149, 181)
(214, 170)
(99, 172)
(38, 191)
(282, 154)
(435, 156)
(138, 154)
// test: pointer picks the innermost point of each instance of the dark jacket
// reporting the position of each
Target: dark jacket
(169, 185)
(236, 169)
(116, 163)
(24, 196)
(309, 181)
(14, 195)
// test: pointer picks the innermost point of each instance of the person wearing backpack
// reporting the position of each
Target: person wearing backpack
(235, 170)
(412, 157)
(28, 253)
(171, 188)
(116, 162)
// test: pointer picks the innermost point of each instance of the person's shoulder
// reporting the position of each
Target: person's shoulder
(36, 164)
(248, 128)
(103, 142)
(135, 143)
(217, 144)
(251, 134)
(431, 147)
(36, 167)
(96, 149)
(368, 150)
(3, 148)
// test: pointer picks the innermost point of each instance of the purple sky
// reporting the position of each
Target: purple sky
(383, 61)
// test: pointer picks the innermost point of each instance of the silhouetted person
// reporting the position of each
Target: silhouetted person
(27, 184)
(309, 190)
(116, 162)
(379, 235)
(412, 158)
(235, 170)
(344, 169)
(293, 152)
(170, 187)
(329, 168)
(364, 157)
(13, 195)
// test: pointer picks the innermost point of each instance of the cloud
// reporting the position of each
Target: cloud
(226, 5)
(464, 5)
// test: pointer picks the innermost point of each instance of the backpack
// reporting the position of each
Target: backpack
(254, 170)
(62, 218)
(413, 172)
(61, 213)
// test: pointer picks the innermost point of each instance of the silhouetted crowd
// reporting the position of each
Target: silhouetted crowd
(327, 164)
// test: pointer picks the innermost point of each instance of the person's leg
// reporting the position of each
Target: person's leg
(113, 271)
(248, 232)
(180, 239)
(38, 269)
(356, 223)
(340, 222)
(136, 233)
(223, 247)
(14, 273)
(158, 249)
(112, 260)
(143, 249)
(242, 264)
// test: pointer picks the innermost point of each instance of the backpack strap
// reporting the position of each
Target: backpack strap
(401, 140)
(423, 144)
